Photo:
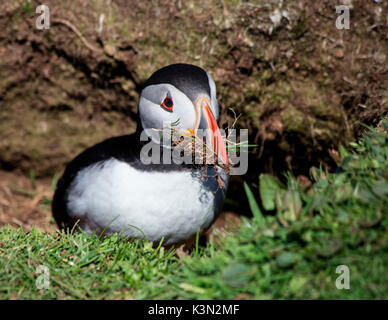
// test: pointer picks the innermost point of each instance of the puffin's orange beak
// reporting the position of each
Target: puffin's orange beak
(216, 140)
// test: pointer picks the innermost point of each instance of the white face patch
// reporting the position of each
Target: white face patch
(125, 200)
(152, 115)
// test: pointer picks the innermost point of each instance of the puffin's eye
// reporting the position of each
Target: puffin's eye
(167, 104)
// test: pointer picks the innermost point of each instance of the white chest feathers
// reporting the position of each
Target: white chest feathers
(114, 196)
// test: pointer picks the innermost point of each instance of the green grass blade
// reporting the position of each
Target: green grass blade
(254, 206)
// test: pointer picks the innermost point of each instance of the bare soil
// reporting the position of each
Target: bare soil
(22, 204)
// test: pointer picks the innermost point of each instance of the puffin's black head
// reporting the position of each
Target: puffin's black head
(183, 95)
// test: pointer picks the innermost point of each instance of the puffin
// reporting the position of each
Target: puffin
(113, 187)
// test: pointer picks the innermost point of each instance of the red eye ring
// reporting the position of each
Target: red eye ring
(167, 104)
